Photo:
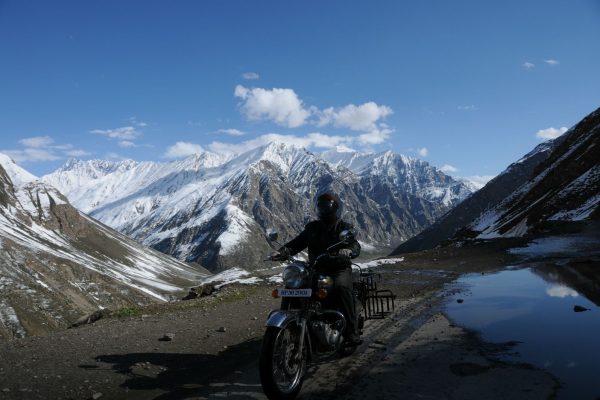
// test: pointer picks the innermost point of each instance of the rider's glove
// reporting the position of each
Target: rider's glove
(281, 255)
(345, 253)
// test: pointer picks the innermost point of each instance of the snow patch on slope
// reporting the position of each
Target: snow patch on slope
(556, 246)
(232, 275)
(17, 175)
(238, 228)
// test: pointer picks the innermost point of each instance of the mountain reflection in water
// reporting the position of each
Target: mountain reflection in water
(534, 307)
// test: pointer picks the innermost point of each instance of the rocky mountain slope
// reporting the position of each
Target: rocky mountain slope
(564, 187)
(215, 210)
(558, 182)
(401, 174)
(57, 264)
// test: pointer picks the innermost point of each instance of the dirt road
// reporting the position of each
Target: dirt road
(415, 353)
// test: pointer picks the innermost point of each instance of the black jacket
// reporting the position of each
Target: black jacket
(318, 236)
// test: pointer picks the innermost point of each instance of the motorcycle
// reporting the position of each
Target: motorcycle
(308, 325)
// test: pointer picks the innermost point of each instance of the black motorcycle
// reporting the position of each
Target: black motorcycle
(308, 324)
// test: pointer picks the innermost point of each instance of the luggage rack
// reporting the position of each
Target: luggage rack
(378, 303)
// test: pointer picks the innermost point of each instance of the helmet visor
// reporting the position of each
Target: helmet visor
(326, 208)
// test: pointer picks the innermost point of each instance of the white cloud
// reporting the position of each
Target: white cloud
(127, 143)
(135, 122)
(359, 118)
(317, 139)
(376, 136)
(284, 107)
(448, 169)
(552, 62)
(183, 149)
(122, 133)
(250, 76)
(31, 155)
(423, 152)
(37, 141)
(550, 133)
(125, 135)
(281, 106)
(528, 65)
(470, 107)
(42, 148)
(77, 153)
(231, 132)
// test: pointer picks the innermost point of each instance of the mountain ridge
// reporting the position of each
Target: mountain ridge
(186, 210)
(58, 264)
(556, 181)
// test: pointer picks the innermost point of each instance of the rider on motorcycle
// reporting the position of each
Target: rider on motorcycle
(320, 234)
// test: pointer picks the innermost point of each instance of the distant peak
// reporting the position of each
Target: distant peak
(97, 165)
(281, 145)
(391, 156)
(17, 174)
(281, 149)
(5, 158)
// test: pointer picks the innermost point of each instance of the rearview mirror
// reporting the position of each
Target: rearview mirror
(346, 235)
(272, 235)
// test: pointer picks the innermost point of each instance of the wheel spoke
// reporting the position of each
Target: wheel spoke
(287, 366)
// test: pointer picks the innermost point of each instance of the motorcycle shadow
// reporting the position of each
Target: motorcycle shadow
(233, 373)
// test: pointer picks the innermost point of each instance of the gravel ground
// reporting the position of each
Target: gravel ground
(208, 348)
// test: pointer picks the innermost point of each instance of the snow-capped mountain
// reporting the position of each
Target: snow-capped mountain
(216, 213)
(58, 264)
(564, 187)
(403, 174)
(556, 183)
(81, 181)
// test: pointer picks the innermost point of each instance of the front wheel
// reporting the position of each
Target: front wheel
(281, 367)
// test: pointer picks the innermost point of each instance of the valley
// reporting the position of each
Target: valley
(419, 350)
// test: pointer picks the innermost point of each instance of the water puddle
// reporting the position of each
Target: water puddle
(536, 307)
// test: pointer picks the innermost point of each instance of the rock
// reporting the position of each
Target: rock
(167, 337)
(578, 308)
(90, 319)
(200, 291)
(192, 294)
(222, 329)
(5, 390)
(96, 396)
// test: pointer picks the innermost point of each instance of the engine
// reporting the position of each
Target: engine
(328, 328)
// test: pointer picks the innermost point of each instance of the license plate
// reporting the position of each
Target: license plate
(294, 292)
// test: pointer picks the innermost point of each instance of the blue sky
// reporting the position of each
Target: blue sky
(467, 85)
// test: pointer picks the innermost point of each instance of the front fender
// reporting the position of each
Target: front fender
(280, 318)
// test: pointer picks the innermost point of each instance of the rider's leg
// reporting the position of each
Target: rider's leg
(343, 288)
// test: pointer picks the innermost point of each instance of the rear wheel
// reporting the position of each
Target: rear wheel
(347, 350)
(281, 367)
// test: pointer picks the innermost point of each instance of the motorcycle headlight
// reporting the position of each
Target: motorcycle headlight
(294, 276)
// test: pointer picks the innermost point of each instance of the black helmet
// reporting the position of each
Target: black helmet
(327, 207)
